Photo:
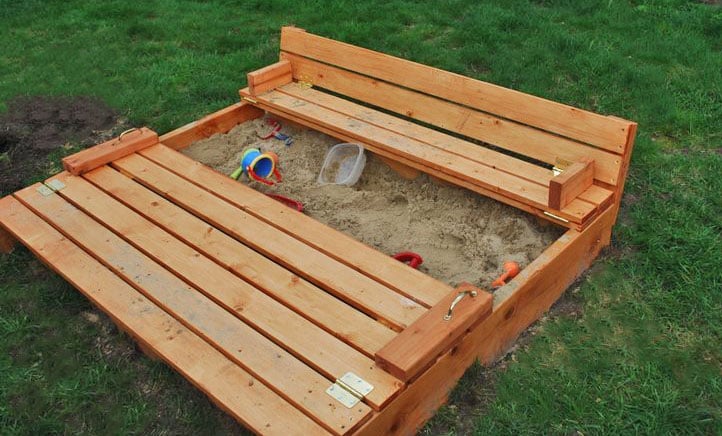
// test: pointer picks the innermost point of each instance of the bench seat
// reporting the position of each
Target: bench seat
(492, 173)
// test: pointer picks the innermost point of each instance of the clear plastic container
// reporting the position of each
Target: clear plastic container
(343, 165)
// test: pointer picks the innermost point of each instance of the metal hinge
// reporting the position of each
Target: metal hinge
(564, 220)
(559, 166)
(249, 99)
(51, 187)
(304, 84)
(349, 389)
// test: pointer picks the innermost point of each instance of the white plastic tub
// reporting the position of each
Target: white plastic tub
(343, 165)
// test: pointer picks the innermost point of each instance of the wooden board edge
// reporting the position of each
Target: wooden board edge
(269, 77)
(126, 143)
(566, 186)
(220, 121)
(418, 346)
(7, 240)
(520, 303)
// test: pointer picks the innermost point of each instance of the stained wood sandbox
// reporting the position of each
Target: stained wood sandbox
(285, 323)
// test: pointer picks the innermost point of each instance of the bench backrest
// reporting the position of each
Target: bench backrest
(540, 129)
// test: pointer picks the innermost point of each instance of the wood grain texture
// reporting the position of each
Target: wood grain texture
(436, 161)
(315, 347)
(417, 347)
(337, 318)
(567, 186)
(522, 301)
(507, 134)
(101, 154)
(239, 393)
(449, 179)
(595, 129)
(414, 284)
(404, 171)
(218, 122)
(270, 77)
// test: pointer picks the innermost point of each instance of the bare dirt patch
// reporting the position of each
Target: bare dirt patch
(462, 236)
(34, 127)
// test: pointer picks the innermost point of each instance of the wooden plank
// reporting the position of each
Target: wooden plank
(519, 138)
(343, 248)
(417, 347)
(405, 172)
(270, 77)
(218, 122)
(441, 177)
(595, 129)
(337, 318)
(101, 154)
(531, 293)
(7, 241)
(574, 180)
(437, 160)
(286, 375)
(355, 289)
(234, 390)
(317, 348)
(473, 152)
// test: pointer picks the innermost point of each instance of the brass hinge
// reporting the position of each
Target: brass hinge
(250, 99)
(51, 187)
(305, 85)
(564, 220)
(559, 166)
(349, 389)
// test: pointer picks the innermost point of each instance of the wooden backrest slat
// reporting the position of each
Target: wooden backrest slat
(510, 135)
(598, 130)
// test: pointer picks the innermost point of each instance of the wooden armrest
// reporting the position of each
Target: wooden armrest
(127, 143)
(417, 347)
(570, 183)
(270, 77)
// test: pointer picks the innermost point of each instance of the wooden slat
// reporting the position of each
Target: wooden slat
(335, 244)
(345, 283)
(604, 132)
(218, 122)
(575, 179)
(445, 178)
(405, 172)
(269, 77)
(316, 305)
(314, 346)
(240, 394)
(101, 154)
(436, 159)
(530, 294)
(286, 375)
(7, 241)
(417, 347)
(473, 152)
(519, 138)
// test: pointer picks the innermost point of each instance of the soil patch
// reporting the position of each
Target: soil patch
(462, 236)
(34, 127)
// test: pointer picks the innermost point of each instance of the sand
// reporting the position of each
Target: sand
(461, 235)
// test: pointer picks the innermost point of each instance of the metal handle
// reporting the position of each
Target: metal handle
(132, 129)
(460, 296)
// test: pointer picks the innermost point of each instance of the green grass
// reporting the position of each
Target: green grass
(644, 355)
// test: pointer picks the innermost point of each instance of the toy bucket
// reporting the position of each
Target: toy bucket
(258, 166)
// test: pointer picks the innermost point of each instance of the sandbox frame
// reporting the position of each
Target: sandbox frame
(585, 203)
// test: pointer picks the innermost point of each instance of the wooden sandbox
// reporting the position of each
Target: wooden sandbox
(289, 325)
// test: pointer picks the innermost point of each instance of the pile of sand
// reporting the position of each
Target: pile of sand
(462, 236)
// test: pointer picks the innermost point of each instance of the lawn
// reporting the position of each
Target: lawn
(635, 346)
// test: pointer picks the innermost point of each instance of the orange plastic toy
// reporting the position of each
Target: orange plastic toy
(511, 269)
